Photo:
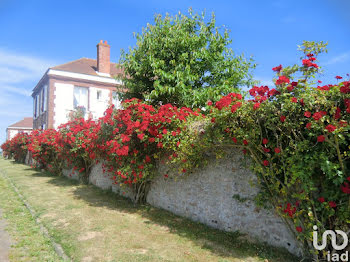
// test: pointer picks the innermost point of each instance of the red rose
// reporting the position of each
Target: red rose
(277, 68)
(282, 80)
(266, 149)
(317, 116)
(332, 204)
(256, 106)
(277, 150)
(294, 100)
(245, 142)
(321, 199)
(308, 125)
(346, 187)
(210, 103)
(140, 136)
(266, 162)
(299, 229)
(265, 141)
(213, 120)
(290, 88)
(307, 114)
(338, 77)
(331, 128)
(234, 139)
(282, 119)
(321, 138)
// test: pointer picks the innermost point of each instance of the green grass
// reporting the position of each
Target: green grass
(94, 225)
(29, 243)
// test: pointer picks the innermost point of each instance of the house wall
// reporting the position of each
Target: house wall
(62, 99)
(12, 132)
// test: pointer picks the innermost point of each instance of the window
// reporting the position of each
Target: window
(43, 100)
(35, 103)
(99, 95)
(80, 97)
(115, 100)
(37, 97)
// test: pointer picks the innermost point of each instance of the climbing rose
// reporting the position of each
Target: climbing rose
(282, 119)
(338, 77)
(266, 162)
(282, 80)
(308, 125)
(299, 229)
(346, 187)
(321, 138)
(265, 141)
(321, 199)
(277, 68)
(331, 128)
(245, 142)
(294, 100)
(317, 116)
(332, 204)
(277, 150)
(307, 114)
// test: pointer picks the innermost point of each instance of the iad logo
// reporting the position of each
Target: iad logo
(332, 257)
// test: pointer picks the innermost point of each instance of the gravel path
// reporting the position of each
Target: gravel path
(5, 241)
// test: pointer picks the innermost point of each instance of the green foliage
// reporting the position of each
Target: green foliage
(298, 139)
(183, 60)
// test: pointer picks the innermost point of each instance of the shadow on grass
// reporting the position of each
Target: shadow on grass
(218, 242)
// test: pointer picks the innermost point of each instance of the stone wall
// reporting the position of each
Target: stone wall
(220, 195)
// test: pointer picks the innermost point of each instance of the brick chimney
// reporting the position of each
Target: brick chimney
(103, 57)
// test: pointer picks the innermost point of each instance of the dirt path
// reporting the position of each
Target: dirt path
(5, 241)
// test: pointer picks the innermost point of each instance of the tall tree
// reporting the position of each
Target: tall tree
(184, 60)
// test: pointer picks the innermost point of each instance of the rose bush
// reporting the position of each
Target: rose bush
(134, 137)
(297, 136)
(16, 147)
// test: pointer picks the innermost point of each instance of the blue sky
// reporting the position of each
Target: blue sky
(38, 34)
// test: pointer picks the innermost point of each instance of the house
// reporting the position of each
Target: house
(23, 126)
(86, 84)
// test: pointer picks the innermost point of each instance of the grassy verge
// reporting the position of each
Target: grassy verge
(93, 225)
(30, 244)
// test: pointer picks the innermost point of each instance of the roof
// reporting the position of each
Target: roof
(86, 66)
(26, 122)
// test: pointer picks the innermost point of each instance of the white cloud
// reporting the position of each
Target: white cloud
(32, 64)
(16, 90)
(338, 59)
(19, 72)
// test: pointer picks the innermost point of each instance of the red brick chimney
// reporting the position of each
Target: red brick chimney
(103, 57)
